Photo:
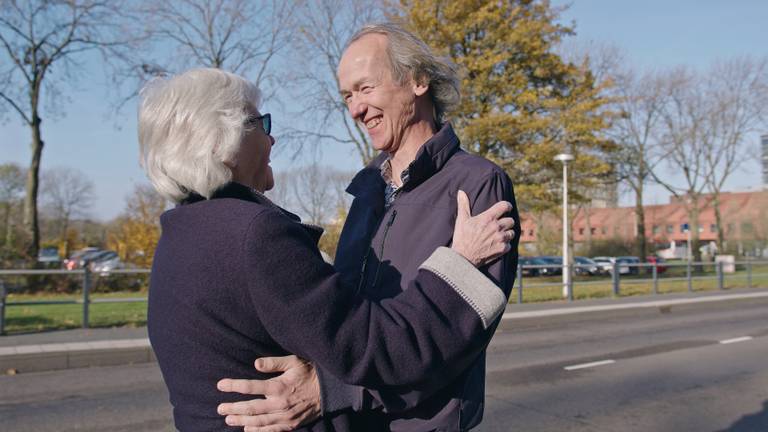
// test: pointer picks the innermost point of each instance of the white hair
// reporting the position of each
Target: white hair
(191, 127)
(411, 58)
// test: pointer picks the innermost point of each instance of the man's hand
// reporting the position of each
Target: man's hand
(292, 399)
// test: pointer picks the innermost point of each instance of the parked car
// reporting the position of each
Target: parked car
(102, 256)
(605, 263)
(658, 262)
(555, 263)
(631, 268)
(105, 266)
(534, 271)
(49, 256)
(75, 261)
(586, 266)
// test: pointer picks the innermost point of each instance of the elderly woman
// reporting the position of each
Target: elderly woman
(236, 278)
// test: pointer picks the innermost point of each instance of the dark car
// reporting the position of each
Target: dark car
(630, 263)
(533, 266)
(555, 264)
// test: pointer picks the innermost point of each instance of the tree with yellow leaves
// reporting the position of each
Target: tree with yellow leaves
(136, 232)
(522, 103)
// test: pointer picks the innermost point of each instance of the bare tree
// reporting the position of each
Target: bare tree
(737, 92)
(686, 136)
(11, 192)
(35, 35)
(234, 35)
(314, 191)
(325, 27)
(67, 193)
(640, 104)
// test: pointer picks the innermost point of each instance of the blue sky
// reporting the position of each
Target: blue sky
(651, 33)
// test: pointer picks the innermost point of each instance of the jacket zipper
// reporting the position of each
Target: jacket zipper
(381, 249)
(361, 282)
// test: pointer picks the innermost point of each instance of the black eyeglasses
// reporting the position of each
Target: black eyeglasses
(265, 120)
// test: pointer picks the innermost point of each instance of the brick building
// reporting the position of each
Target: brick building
(744, 214)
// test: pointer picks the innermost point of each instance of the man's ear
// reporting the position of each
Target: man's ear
(420, 89)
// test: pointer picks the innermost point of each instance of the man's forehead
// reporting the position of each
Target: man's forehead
(364, 55)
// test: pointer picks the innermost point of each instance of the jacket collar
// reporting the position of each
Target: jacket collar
(241, 192)
(431, 158)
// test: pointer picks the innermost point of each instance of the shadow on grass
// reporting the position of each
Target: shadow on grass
(757, 422)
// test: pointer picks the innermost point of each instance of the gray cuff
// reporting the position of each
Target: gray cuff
(336, 395)
(485, 298)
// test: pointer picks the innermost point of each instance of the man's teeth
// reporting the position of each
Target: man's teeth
(372, 123)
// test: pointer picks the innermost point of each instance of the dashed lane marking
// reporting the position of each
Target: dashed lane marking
(589, 365)
(734, 340)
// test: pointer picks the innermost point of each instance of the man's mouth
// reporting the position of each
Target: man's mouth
(372, 123)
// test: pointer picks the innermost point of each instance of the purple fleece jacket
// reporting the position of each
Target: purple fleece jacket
(380, 250)
(235, 278)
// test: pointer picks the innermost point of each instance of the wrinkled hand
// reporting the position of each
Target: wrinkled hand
(292, 399)
(485, 237)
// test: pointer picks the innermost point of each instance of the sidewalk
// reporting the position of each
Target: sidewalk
(65, 349)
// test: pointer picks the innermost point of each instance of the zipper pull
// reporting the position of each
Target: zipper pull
(392, 218)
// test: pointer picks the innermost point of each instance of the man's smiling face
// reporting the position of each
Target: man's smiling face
(375, 100)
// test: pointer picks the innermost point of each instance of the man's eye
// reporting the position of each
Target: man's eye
(366, 89)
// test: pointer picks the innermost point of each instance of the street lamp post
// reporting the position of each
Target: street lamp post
(567, 293)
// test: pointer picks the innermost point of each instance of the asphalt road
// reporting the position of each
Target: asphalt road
(659, 370)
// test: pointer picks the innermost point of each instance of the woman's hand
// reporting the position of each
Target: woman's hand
(482, 238)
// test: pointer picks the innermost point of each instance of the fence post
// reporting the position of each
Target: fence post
(2, 307)
(655, 272)
(86, 294)
(688, 276)
(616, 280)
(749, 273)
(720, 276)
(519, 283)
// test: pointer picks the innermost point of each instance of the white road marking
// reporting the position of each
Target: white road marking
(660, 303)
(734, 340)
(589, 365)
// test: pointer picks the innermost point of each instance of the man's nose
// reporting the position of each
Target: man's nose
(357, 109)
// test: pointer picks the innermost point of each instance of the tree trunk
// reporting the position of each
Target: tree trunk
(718, 222)
(31, 224)
(8, 227)
(588, 224)
(640, 239)
(693, 225)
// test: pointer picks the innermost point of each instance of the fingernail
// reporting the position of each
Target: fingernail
(229, 420)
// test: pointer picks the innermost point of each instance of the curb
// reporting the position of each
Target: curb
(47, 357)
(59, 356)
(626, 306)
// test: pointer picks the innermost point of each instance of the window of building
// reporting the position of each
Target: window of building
(592, 231)
(747, 228)
(581, 231)
(603, 230)
(712, 228)
(656, 229)
(530, 233)
(670, 229)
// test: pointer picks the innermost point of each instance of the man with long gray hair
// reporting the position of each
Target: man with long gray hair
(404, 206)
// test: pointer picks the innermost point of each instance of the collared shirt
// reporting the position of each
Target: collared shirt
(392, 189)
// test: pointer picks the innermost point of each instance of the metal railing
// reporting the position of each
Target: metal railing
(86, 286)
(620, 275)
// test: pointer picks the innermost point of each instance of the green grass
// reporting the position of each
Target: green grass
(34, 318)
(601, 287)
